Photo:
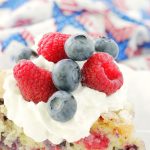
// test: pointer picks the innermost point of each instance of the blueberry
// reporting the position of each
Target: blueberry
(62, 106)
(131, 147)
(107, 45)
(26, 53)
(66, 75)
(79, 47)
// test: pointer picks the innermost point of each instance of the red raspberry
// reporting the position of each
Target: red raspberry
(35, 83)
(51, 46)
(54, 148)
(96, 141)
(101, 73)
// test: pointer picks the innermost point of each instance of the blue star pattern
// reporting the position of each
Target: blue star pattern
(12, 4)
(14, 37)
(121, 14)
(124, 44)
(62, 20)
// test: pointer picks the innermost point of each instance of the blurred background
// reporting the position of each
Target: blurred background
(23, 22)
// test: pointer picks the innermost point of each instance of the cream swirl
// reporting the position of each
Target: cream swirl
(37, 123)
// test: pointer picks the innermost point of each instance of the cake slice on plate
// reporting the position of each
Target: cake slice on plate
(70, 98)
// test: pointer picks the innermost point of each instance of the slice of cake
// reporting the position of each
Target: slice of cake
(71, 99)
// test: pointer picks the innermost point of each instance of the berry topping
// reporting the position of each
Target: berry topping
(62, 106)
(96, 141)
(101, 73)
(66, 75)
(107, 45)
(79, 47)
(35, 83)
(26, 53)
(51, 46)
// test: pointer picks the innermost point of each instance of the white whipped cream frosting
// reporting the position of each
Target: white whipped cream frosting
(36, 121)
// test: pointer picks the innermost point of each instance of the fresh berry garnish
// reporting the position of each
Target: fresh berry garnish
(62, 106)
(66, 75)
(51, 46)
(35, 83)
(101, 73)
(79, 47)
(107, 45)
(26, 53)
(96, 141)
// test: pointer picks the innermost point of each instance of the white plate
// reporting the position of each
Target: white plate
(145, 135)
(139, 95)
